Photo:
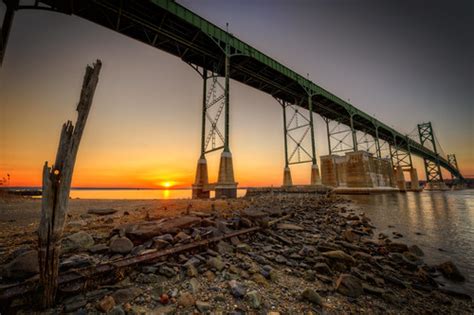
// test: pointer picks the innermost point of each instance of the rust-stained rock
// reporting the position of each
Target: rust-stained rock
(146, 230)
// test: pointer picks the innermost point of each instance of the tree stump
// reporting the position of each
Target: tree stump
(56, 187)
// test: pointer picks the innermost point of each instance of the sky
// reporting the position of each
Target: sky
(405, 62)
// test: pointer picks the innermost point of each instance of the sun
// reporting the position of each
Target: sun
(167, 184)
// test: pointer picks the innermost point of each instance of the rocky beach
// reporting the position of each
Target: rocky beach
(268, 254)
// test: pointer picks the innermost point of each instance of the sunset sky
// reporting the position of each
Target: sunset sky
(404, 61)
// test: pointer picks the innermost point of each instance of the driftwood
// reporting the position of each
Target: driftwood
(56, 187)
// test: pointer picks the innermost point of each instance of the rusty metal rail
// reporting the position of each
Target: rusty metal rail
(83, 274)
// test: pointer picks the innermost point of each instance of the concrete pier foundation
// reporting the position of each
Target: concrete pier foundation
(201, 182)
(357, 172)
(438, 185)
(226, 187)
(315, 178)
(414, 182)
(287, 180)
(400, 178)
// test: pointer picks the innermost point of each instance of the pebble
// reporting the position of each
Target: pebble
(312, 296)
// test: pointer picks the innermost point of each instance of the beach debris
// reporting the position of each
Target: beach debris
(56, 187)
(217, 263)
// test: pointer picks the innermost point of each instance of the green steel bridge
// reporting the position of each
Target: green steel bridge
(215, 53)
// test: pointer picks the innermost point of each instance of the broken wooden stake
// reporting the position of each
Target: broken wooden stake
(56, 187)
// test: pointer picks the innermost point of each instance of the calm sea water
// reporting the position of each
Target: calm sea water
(137, 193)
(444, 219)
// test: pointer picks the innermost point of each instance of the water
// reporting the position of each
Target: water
(445, 219)
(137, 193)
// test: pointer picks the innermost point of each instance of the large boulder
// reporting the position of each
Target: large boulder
(77, 241)
(23, 266)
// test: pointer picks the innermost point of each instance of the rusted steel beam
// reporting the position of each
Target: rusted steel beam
(83, 274)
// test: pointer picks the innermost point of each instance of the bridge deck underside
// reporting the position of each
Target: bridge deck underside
(155, 25)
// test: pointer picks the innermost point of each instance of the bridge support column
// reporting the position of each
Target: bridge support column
(287, 180)
(226, 187)
(414, 182)
(201, 182)
(213, 105)
(434, 177)
(400, 178)
(315, 178)
(12, 5)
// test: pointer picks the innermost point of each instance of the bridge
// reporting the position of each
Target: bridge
(219, 56)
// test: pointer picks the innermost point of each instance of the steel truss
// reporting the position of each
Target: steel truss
(340, 137)
(432, 168)
(367, 143)
(453, 161)
(297, 133)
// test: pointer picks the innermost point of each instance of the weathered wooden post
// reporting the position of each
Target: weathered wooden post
(56, 187)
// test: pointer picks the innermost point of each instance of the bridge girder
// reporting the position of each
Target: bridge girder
(166, 25)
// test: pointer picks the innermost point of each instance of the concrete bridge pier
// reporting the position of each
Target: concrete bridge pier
(315, 178)
(201, 182)
(287, 180)
(400, 178)
(226, 187)
(414, 182)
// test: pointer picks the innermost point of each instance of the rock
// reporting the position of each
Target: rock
(373, 290)
(117, 310)
(191, 271)
(288, 226)
(216, 263)
(121, 245)
(254, 299)
(349, 285)
(350, 236)
(147, 278)
(224, 248)
(186, 299)
(210, 276)
(23, 266)
(340, 256)
(164, 299)
(167, 271)
(281, 259)
(323, 268)
(102, 211)
(77, 261)
(98, 248)
(397, 247)
(260, 279)
(164, 310)
(203, 307)
(146, 230)
(194, 284)
(416, 251)
(237, 289)
(106, 304)
(181, 237)
(125, 295)
(312, 296)
(450, 271)
(74, 303)
(77, 241)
